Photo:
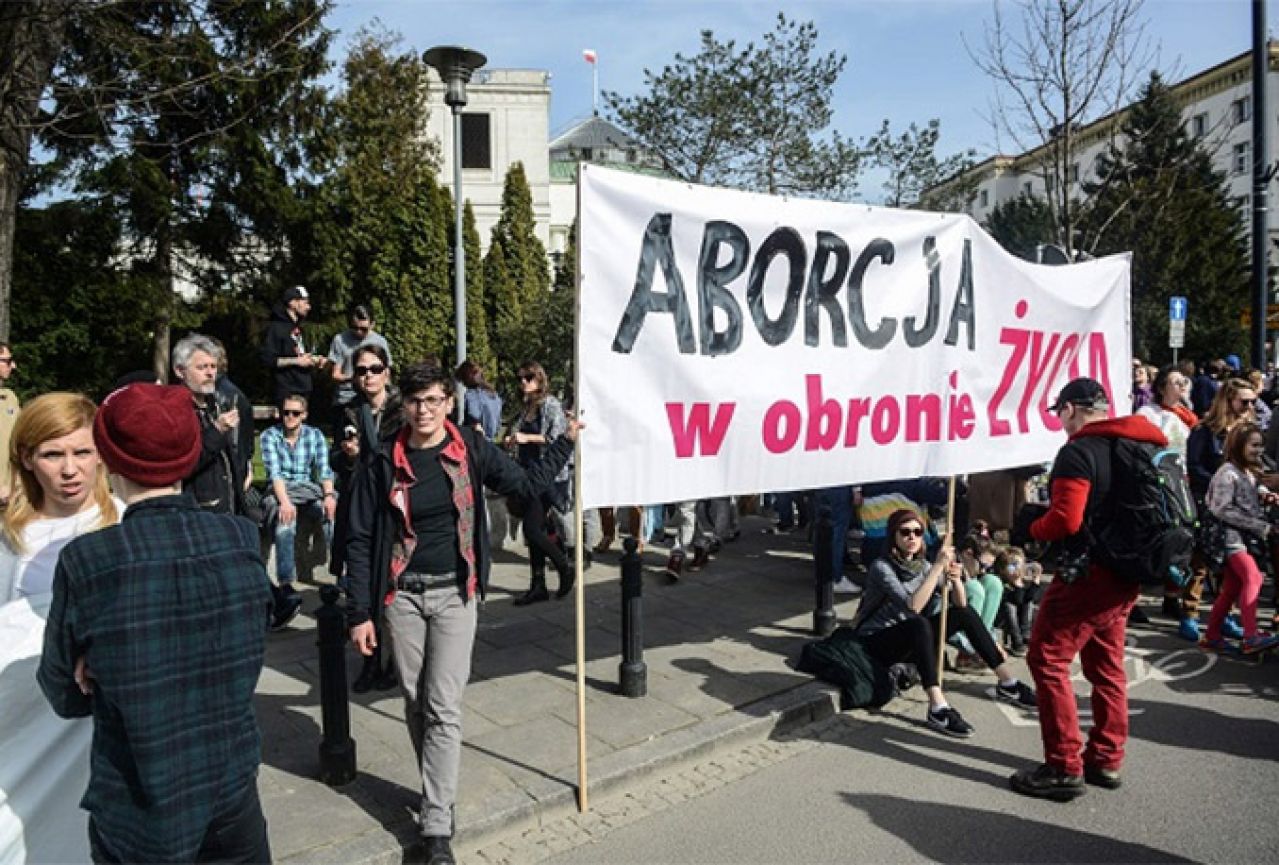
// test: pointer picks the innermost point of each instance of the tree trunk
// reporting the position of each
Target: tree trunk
(164, 312)
(10, 187)
(31, 35)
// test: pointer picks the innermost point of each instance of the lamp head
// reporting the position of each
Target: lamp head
(455, 66)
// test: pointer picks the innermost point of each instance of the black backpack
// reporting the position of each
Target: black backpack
(1145, 532)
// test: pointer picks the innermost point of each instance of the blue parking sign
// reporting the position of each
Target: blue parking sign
(1176, 309)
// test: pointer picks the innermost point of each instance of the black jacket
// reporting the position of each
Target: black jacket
(371, 529)
(217, 483)
(283, 338)
(357, 413)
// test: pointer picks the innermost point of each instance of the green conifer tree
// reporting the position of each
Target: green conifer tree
(528, 269)
(1158, 196)
(559, 319)
(478, 347)
(504, 315)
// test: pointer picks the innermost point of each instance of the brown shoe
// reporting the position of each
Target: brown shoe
(675, 565)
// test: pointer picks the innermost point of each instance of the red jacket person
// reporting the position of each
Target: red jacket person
(1083, 613)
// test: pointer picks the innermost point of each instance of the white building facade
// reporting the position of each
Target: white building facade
(506, 120)
(1216, 108)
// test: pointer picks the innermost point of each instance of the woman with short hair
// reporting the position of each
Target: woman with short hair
(418, 551)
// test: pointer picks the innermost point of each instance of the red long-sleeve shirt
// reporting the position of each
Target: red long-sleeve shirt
(1082, 467)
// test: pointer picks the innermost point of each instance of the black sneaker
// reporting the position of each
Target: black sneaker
(287, 606)
(1138, 616)
(1172, 608)
(436, 850)
(1099, 777)
(1048, 782)
(1018, 694)
(700, 557)
(950, 722)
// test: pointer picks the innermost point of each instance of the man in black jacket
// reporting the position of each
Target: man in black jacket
(217, 482)
(417, 554)
(284, 350)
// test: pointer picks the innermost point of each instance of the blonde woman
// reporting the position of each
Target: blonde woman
(60, 492)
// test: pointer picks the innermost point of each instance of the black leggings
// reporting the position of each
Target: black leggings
(914, 641)
(540, 546)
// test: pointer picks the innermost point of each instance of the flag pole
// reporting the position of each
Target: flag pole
(579, 591)
(949, 541)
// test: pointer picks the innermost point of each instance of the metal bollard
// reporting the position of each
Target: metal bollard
(632, 672)
(823, 573)
(337, 748)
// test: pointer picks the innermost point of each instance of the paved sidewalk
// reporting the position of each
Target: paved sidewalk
(718, 647)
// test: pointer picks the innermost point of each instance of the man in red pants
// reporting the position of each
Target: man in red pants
(1085, 608)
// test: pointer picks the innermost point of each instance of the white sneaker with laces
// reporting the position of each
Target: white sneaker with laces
(845, 586)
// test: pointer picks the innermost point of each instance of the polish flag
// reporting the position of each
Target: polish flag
(588, 54)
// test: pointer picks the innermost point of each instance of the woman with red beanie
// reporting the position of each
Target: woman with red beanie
(900, 614)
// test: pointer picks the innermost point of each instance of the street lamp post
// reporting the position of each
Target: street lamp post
(455, 66)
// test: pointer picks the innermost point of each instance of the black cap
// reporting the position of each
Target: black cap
(1084, 392)
(294, 293)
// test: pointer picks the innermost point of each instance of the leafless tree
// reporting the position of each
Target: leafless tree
(1060, 65)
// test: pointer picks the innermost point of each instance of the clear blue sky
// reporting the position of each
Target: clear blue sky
(906, 58)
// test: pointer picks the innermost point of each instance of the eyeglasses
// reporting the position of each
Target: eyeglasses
(910, 533)
(361, 330)
(528, 376)
(373, 369)
(8, 359)
(292, 412)
(431, 402)
(1246, 401)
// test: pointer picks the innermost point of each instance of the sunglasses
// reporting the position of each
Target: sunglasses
(1247, 401)
(910, 533)
(374, 369)
(292, 412)
(527, 376)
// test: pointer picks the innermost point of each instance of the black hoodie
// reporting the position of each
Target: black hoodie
(283, 338)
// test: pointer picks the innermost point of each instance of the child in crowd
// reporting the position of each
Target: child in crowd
(1021, 597)
(984, 590)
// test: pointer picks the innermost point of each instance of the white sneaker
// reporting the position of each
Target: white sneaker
(845, 586)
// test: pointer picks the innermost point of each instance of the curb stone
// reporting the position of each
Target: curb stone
(549, 800)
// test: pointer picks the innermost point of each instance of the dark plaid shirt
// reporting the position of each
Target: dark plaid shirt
(169, 608)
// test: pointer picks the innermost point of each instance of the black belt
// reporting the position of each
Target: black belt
(418, 583)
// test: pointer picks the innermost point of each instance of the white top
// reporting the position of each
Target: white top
(1173, 427)
(42, 540)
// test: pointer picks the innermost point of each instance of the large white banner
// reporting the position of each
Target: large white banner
(734, 343)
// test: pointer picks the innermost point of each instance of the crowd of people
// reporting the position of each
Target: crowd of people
(123, 519)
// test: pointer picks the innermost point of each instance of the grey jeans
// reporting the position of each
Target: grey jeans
(431, 638)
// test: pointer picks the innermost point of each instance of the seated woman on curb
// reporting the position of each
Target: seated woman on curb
(901, 611)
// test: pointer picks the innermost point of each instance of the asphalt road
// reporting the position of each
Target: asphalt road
(1201, 784)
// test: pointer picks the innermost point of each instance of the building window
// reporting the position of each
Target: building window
(985, 198)
(1074, 172)
(1027, 188)
(477, 150)
(1241, 110)
(1199, 125)
(1239, 160)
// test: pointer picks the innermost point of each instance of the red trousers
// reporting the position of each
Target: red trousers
(1085, 618)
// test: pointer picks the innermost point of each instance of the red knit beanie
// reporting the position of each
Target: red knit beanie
(902, 515)
(148, 433)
